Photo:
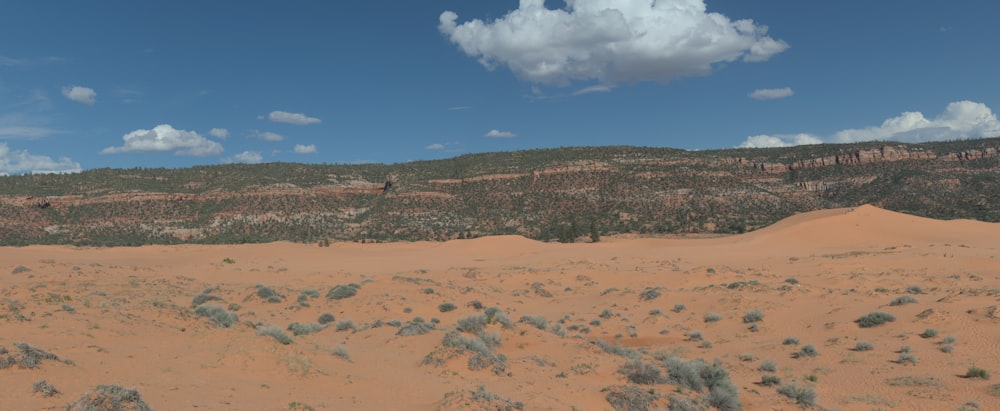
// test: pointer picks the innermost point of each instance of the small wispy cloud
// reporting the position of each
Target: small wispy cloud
(435, 146)
(593, 89)
(246, 157)
(771, 93)
(80, 94)
(219, 133)
(494, 133)
(305, 149)
(266, 135)
(298, 119)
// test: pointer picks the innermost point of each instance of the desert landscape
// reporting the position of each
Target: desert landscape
(850, 308)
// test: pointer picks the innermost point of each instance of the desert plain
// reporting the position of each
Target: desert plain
(510, 323)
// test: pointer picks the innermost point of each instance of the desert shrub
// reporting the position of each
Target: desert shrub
(605, 314)
(995, 390)
(639, 372)
(559, 330)
(341, 351)
(705, 344)
(807, 350)
(345, 325)
(326, 318)
(678, 308)
(906, 358)
(698, 375)
(617, 349)
(655, 311)
(863, 346)
(496, 315)
(395, 323)
(649, 294)
(491, 339)
(874, 319)
(68, 308)
(747, 357)
(218, 315)
(311, 293)
(631, 398)
(445, 307)
(790, 341)
(753, 316)
(976, 372)
(341, 292)
(791, 280)
(929, 333)
(413, 328)
(947, 348)
(428, 290)
(26, 357)
(20, 269)
(754, 328)
(465, 342)
(695, 336)
(948, 340)
(768, 366)
(903, 299)
(268, 294)
(275, 332)
(803, 396)
(537, 321)
(110, 398)
(304, 329)
(204, 298)
(904, 349)
(43, 387)
(476, 305)
(712, 317)
(770, 380)
(472, 324)
(914, 289)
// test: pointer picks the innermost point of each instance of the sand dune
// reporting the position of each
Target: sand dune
(126, 316)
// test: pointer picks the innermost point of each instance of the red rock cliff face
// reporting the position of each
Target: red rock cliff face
(886, 153)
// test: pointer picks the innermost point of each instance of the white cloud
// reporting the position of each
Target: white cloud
(298, 119)
(435, 146)
(593, 89)
(80, 94)
(219, 133)
(20, 161)
(266, 135)
(305, 149)
(610, 41)
(246, 157)
(960, 120)
(764, 141)
(771, 93)
(494, 133)
(166, 138)
(27, 132)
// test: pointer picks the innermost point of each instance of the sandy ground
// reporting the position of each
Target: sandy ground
(125, 316)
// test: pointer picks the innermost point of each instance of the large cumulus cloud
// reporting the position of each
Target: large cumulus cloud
(610, 41)
(165, 138)
(960, 120)
(21, 161)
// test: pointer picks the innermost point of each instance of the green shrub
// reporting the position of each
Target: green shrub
(326, 318)
(903, 299)
(929, 333)
(768, 366)
(753, 316)
(346, 325)
(412, 328)
(20, 269)
(695, 336)
(43, 387)
(874, 319)
(976, 372)
(679, 307)
(496, 315)
(341, 292)
(445, 307)
(617, 349)
(807, 350)
(537, 321)
(643, 373)
(863, 346)
(914, 289)
(218, 315)
(791, 280)
(947, 348)
(304, 329)
(204, 298)
(606, 314)
(649, 294)
(268, 294)
(712, 317)
(790, 341)
(472, 324)
(803, 396)
(110, 397)
(770, 380)
(906, 358)
(276, 333)
(341, 351)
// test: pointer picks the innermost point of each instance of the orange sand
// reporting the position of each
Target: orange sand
(134, 325)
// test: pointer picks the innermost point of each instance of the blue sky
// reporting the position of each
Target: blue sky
(179, 83)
